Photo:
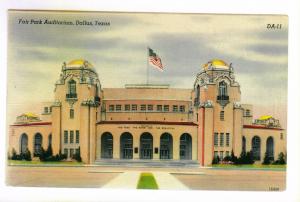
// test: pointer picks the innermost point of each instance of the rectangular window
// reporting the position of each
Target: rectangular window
(71, 136)
(182, 108)
(127, 107)
(71, 153)
(46, 110)
(77, 136)
(227, 139)
(133, 107)
(175, 108)
(150, 107)
(66, 137)
(247, 112)
(71, 113)
(222, 115)
(222, 139)
(143, 107)
(66, 152)
(166, 108)
(221, 155)
(227, 153)
(77, 151)
(118, 108)
(50, 109)
(215, 154)
(111, 108)
(159, 108)
(216, 139)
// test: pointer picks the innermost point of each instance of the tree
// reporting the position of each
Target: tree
(42, 154)
(49, 151)
(14, 155)
(27, 155)
(245, 158)
(233, 157)
(266, 160)
(281, 159)
(216, 160)
(77, 156)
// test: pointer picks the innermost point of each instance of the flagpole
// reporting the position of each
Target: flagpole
(147, 60)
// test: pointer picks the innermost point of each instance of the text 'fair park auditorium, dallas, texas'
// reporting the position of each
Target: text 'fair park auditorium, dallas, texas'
(148, 123)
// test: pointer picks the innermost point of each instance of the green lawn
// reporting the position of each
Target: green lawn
(19, 162)
(147, 181)
(253, 166)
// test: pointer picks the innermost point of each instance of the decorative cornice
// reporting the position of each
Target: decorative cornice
(148, 122)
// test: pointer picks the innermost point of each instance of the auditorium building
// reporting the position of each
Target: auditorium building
(148, 123)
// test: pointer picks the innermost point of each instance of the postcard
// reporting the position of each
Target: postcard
(164, 101)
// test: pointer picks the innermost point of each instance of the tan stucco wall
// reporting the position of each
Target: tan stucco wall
(31, 130)
(279, 144)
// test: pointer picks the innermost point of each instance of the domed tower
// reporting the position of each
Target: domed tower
(76, 109)
(216, 98)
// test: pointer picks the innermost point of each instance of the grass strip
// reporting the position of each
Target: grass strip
(20, 162)
(147, 181)
(253, 166)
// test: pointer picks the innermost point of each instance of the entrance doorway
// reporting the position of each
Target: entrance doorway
(126, 142)
(146, 146)
(107, 145)
(185, 150)
(166, 146)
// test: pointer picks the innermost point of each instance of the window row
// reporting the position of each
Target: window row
(70, 139)
(221, 154)
(47, 110)
(143, 107)
(71, 152)
(220, 137)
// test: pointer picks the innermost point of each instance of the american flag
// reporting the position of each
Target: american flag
(155, 60)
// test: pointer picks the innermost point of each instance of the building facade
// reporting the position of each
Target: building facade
(148, 122)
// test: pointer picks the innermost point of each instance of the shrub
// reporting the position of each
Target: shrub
(15, 156)
(216, 160)
(77, 156)
(233, 157)
(267, 159)
(42, 155)
(245, 158)
(281, 159)
(49, 151)
(48, 155)
(27, 155)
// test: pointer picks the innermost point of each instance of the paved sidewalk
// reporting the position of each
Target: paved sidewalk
(167, 181)
(126, 180)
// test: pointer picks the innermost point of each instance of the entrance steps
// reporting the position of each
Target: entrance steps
(147, 163)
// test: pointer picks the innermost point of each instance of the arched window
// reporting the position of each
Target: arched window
(126, 146)
(270, 148)
(222, 89)
(244, 144)
(146, 146)
(106, 145)
(72, 87)
(24, 143)
(38, 139)
(166, 146)
(185, 147)
(256, 147)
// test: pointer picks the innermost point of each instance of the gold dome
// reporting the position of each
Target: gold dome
(79, 63)
(30, 115)
(263, 118)
(216, 64)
